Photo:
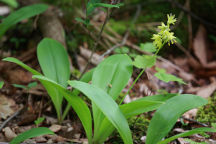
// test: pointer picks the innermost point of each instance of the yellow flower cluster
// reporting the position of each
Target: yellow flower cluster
(165, 35)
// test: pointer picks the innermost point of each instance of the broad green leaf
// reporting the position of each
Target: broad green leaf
(76, 103)
(12, 3)
(21, 14)
(111, 75)
(16, 61)
(162, 75)
(19, 86)
(1, 84)
(34, 132)
(187, 133)
(136, 107)
(167, 114)
(144, 61)
(108, 106)
(54, 61)
(148, 47)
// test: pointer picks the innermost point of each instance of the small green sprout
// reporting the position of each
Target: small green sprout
(39, 121)
(165, 35)
(28, 87)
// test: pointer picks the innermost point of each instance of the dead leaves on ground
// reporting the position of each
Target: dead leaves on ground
(7, 107)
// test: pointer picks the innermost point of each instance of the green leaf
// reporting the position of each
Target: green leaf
(34, 132)
(108, 5)
(144, 61)
(76, 103)
(167, 114)
(21, 14)
(19, 86)
(32, 84)
(162, 75)
(213, 125)
(193, 142)
(188, 133)
(136, 107)
(148, 47)
(53, 93)
(86, 22)
(16, 61)
(12, 3)
(54, 61)
(39, 120)
(1, 84)
(108, 106)
(111, 75)
(122, 50)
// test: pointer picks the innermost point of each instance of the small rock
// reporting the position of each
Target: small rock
(55, 128)
(9, 134)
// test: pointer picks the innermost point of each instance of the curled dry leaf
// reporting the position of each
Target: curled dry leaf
(200, 45)
(9, 134)
(201, 50)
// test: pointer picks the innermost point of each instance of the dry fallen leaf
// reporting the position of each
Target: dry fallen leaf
(190, 114)
(207, 91)
(55, 128)
(201, 50)
(40, 139)
(200, 45)
(7, 107)
(9, 134)
(19, 76)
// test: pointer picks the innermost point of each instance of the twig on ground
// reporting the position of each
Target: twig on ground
(190, 29)
(96, 43)
(93, 36)
(10, 118)
(123, 42)
(192, 120)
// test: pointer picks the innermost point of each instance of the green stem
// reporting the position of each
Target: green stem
(138, 77)
(159, 49)
(66, 111)
(132, 86)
